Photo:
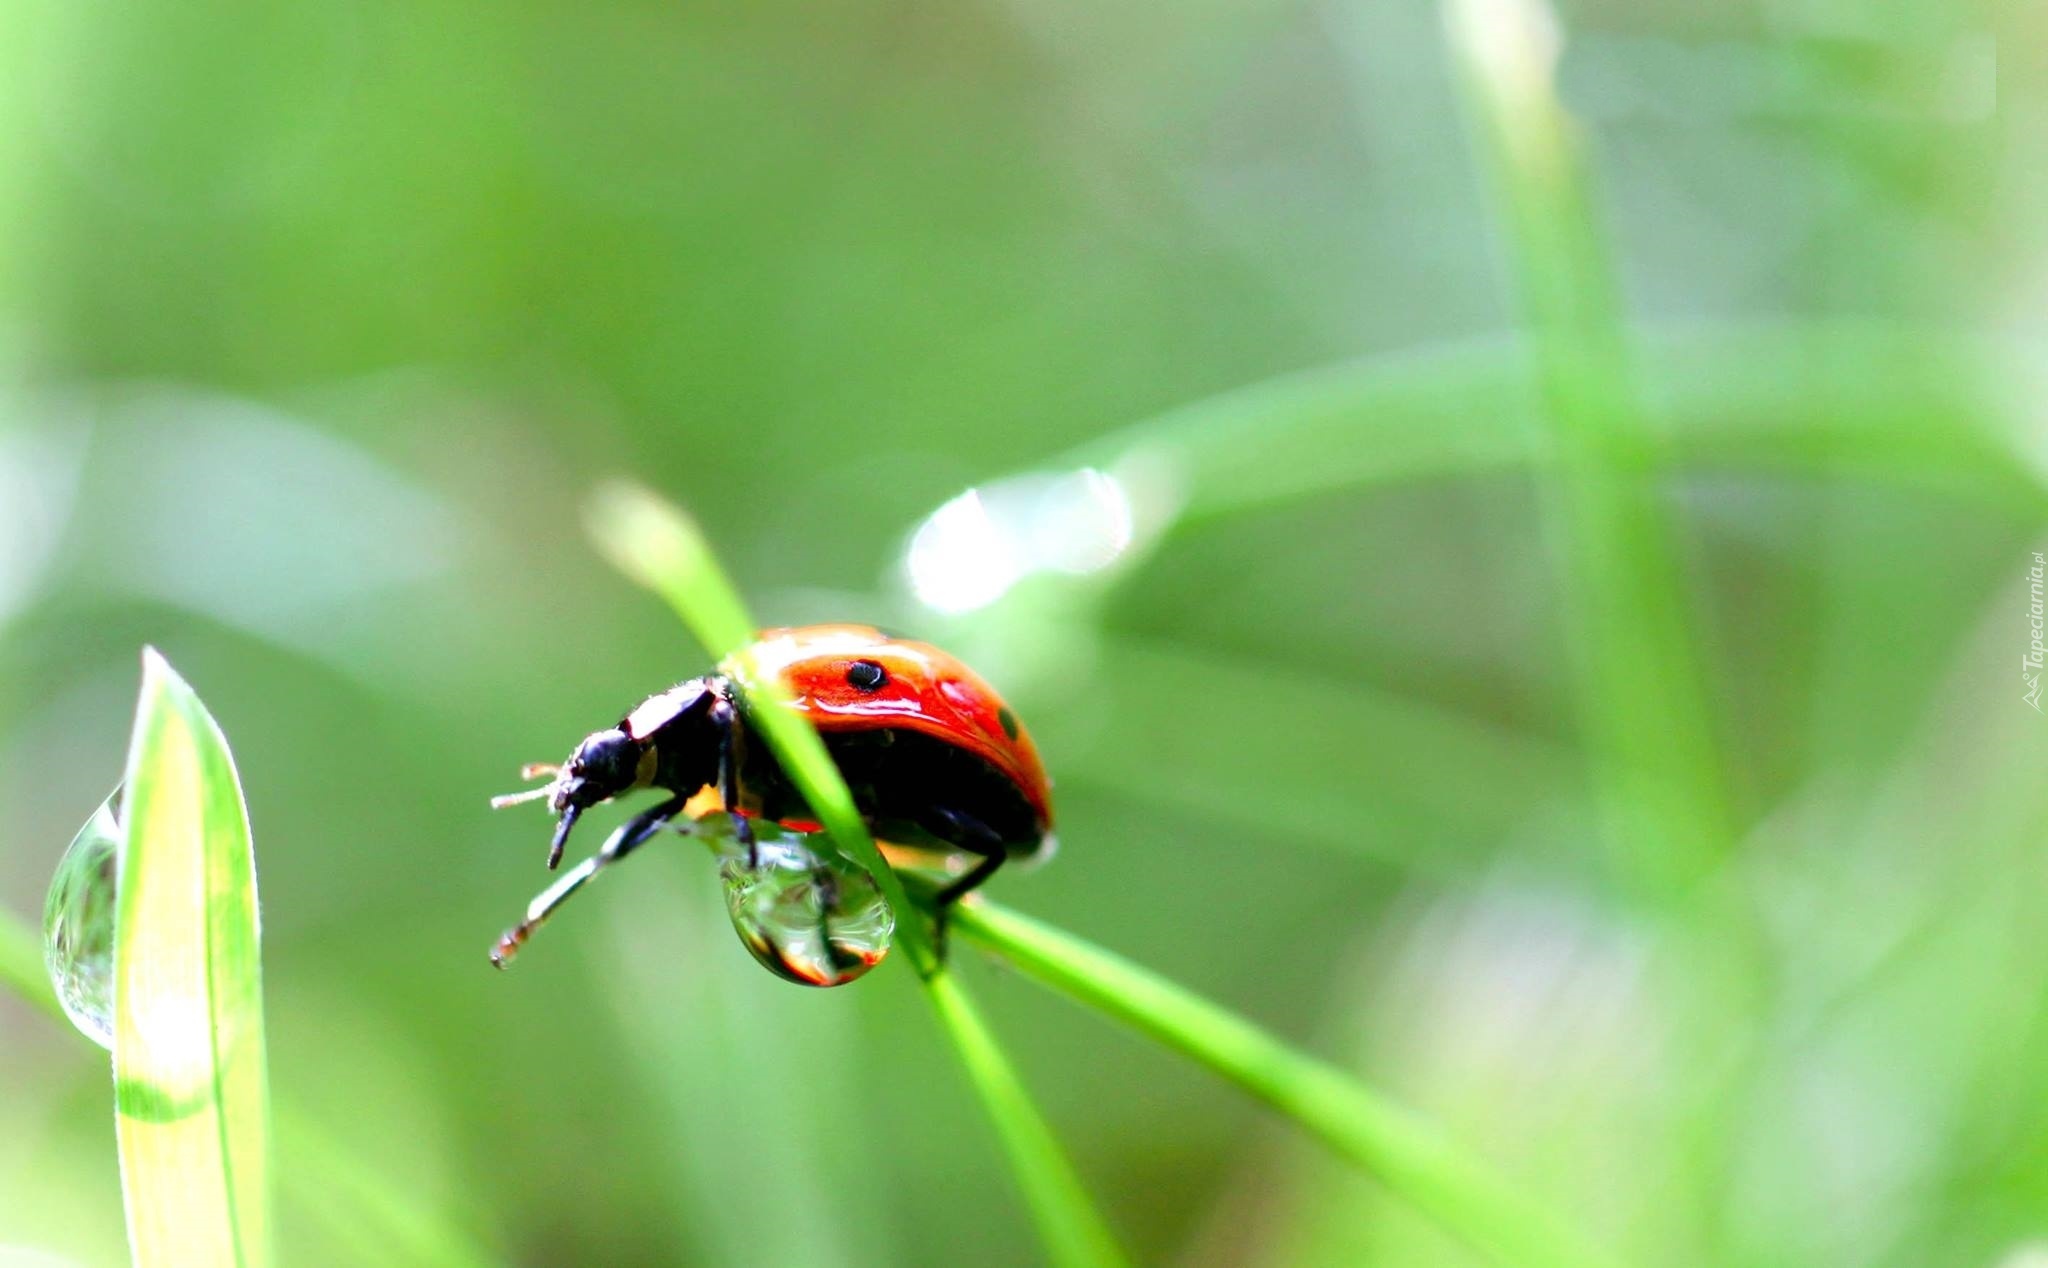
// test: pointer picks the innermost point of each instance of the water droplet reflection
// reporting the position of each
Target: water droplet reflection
(807, 915)
(78, 924)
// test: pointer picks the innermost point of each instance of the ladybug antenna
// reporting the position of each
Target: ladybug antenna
(532, 770)
(520, 798)
(555, 793)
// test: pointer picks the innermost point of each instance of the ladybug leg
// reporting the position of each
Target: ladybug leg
(636, 831)
(743, 832)
(629, 836)
(959, 889)
(966, 833)
(723, 715)
(826, 886)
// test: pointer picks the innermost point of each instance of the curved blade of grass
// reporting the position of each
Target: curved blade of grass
(655, 544)
(1408, 1155)
(1886, 403)
(191, 1106)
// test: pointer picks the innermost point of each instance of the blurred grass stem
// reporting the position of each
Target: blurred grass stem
(1642, 695)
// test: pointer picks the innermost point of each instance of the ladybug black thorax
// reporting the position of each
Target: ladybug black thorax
(686, 731)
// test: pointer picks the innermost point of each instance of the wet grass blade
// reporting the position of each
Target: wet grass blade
(191, 1105)
(1407, 1154)
(655, 544)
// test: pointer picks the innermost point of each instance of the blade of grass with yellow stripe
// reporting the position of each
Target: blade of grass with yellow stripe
(191, 1101)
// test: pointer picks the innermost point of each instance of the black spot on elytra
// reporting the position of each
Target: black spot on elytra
(1008, 721)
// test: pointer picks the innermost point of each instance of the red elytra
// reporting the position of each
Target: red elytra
(926, 690)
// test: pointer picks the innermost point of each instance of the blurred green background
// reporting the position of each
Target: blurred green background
(1610, 743)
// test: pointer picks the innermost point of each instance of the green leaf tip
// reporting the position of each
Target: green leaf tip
(192, 1107)
(657, 544)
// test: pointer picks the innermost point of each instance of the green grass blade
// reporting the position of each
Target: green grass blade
(1407, 1154)
(191, 1106)
(655, 544)
(650, 540)
(1891, 404)
(1073, 1233)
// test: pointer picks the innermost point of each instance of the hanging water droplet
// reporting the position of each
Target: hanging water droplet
(78, 924)
(808, 915)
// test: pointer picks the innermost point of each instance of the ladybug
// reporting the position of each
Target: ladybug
(937, 763)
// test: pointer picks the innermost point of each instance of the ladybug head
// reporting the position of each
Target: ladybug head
(604, 765)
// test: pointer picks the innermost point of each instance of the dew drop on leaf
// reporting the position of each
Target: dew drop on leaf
(78, 924)
(808, 915)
